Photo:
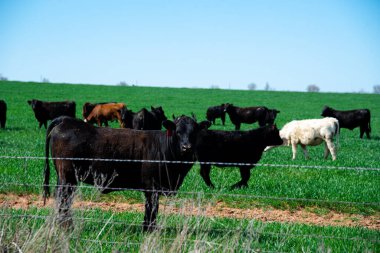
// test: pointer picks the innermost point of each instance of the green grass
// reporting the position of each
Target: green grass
(104, 231)
(323, 189)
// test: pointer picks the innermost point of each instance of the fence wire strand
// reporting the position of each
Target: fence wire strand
(327, 167)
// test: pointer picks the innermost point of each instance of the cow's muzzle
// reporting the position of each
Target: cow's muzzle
(186, 148)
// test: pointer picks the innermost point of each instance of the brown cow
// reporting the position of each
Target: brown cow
(104, 112)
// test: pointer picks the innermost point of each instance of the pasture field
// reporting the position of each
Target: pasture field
(349, 185)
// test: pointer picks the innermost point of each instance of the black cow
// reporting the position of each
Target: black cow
(144, 119)
(245, 147)
(3, 113)
(351, 119)
(127, 117)
(45, 111)
(214, 112)
(250, 115)
(73, 138)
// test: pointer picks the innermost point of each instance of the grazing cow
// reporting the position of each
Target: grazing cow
(88, 107)
(351, 119)
(310, 132)
(215, 112)
(45, 111)
(149, 120)
(102, 113)
(72, 138)
(245, 147)
(3, 113)
(250, 115)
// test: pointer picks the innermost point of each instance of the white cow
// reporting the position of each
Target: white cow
(310, 132)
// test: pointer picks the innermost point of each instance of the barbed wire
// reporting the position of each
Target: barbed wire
(170, 192)
(204, 230)
(235, 164)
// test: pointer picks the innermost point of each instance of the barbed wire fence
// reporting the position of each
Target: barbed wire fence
(205, 195)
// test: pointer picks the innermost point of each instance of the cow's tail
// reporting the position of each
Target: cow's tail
(46, 187)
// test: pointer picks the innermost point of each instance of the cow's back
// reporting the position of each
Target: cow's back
(128, 148)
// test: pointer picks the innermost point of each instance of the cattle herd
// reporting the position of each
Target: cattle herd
(142, 157)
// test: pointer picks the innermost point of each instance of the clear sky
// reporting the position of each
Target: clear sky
(289, 44)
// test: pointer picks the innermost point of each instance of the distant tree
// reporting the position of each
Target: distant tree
(312, 88)
(213, 86)
(252, 86)
(3, 78)
(44, 80)
(122, 83)
(267, 87)
(376, 89)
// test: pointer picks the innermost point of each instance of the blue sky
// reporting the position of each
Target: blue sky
(288, 44)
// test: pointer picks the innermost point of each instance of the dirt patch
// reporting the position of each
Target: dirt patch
(218, 209)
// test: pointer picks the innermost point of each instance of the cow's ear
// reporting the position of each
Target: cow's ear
(169, 125)
(152, 108)
(29, 102)
(204, 124)
(173, 116)
(277, 111)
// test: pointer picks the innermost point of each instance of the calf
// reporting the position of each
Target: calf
(3, 113)
(242, 147)
(215, 112)
(102, 113)
(70, 138)
(351, 119)
(310, 132)
(250, 115)
(44, 111)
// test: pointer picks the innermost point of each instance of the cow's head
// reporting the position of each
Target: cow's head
(185, 130)
(326, 111)
(34, 103)
(271, 116)
(228, 107)
(126, 117)
(272, 135)
(159, 113)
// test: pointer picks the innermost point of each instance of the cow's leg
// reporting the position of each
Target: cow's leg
(223, 117)
(367, 132)
(361, 132)
(205, 173)
(237, 126)
(331, 147)
(327, 152)
(65, 194)
(306, 154)
(151, 210)
(294, 150)
(364, 129)
(99, 122)
(245, 173)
